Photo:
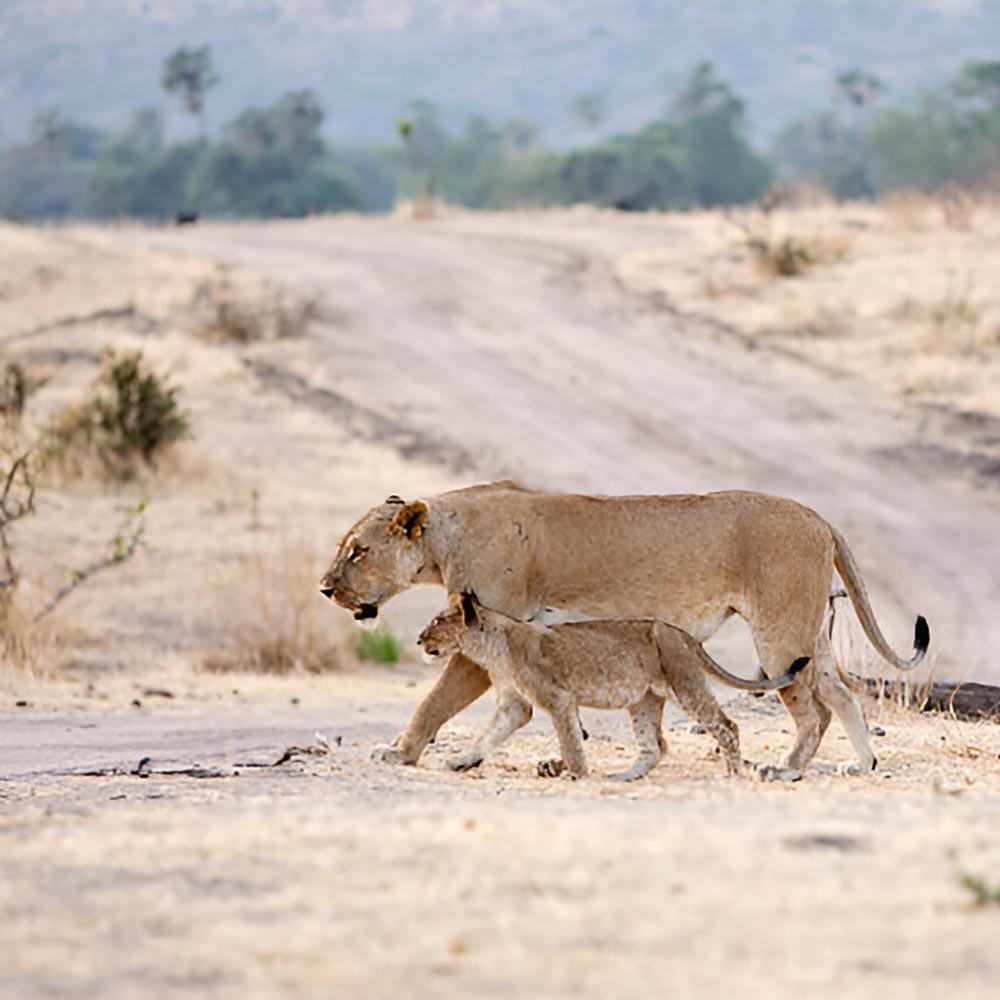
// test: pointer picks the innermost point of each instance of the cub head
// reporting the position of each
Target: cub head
(380, 556)
(443, 635)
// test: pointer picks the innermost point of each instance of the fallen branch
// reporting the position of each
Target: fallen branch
(321, 748)
(967, 700)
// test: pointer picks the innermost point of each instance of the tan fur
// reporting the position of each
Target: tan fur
(689, 560)
(599, 664)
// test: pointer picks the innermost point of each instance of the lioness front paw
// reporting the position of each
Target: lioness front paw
(388, 755)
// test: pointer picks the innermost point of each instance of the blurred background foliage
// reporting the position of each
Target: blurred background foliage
(276, 160)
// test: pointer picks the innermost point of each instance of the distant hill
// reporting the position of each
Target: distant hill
(96, 60)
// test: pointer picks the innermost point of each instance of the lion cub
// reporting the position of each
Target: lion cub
(633, 664)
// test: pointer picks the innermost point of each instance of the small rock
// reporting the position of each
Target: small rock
(877, 731)
(550, 768)
(295, 701)
(698, 728)
(21, 703)
(136, 703)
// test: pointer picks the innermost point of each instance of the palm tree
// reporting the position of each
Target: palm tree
(190, 72)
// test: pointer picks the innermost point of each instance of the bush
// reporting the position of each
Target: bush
(245, 316)
(379, 645)
(131, 416)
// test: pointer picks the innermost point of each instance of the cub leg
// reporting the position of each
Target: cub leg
(694, 696)
(566, 721)
(647, 716)
(461, 682)
(512, 713)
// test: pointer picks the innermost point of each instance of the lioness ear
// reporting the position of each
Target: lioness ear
(410, 519)
(469, 615)
(395, 499)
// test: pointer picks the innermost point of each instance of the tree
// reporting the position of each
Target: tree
(980, 80)
(720, 164)
(272, 163)
(45, 177)
(589, 109)
(704, 93)
(858, 88)
(190, 72)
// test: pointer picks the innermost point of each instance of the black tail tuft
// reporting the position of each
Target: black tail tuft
(799, 665)
(921, 634)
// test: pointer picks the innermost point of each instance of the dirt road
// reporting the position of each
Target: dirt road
(336, 876)
(507, 344)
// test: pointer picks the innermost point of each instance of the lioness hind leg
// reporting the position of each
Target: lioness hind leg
(811, 715)
(647, 718)
(511, 714)
(811, 720)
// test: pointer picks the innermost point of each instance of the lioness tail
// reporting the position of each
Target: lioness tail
(851, 575)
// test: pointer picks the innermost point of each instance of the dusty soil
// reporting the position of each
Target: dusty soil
(450, 351)
(331, 874)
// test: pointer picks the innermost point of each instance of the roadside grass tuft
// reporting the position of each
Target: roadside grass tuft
(379, 645)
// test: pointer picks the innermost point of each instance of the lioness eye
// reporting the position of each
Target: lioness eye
(357, 553)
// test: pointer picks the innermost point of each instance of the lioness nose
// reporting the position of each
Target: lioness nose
(326, 591)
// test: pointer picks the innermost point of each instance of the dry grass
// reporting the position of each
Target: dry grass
(270, 614)
(245, 311)
(911, 312)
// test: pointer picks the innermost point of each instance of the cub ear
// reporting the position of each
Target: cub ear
(469, 613)
(409, 519)
(395, 499)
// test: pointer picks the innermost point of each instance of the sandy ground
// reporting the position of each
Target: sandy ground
(448, 352)
(332, 875)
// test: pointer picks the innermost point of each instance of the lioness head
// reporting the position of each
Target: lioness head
(380, 556)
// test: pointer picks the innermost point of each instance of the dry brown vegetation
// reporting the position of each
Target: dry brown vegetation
(218, 580)
(240, 310)
(902, 297)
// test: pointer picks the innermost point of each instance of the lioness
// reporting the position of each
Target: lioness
(633, 664)
(689, 560)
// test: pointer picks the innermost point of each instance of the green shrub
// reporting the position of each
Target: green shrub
(380, 645)
(132, 415)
